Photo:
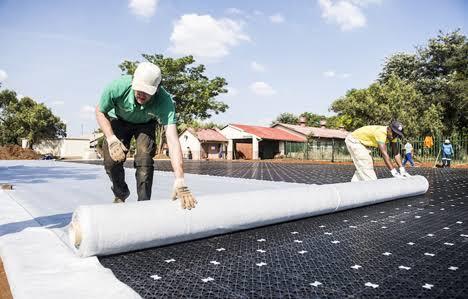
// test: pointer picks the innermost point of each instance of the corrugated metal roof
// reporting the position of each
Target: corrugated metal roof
(269, 133)
(208, 135)
(316, 132)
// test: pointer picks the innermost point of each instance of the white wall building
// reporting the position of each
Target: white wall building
(64, 147)
(70, 147)
(203, 144)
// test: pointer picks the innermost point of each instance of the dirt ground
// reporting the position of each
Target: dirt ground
(5, 292)
(16, 152)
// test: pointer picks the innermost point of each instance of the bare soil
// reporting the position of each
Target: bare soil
(16, 152)
(5, 292)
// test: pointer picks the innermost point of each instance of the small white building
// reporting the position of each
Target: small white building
(70, 147)
(203, 144)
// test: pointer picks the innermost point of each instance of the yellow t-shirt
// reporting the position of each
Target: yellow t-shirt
(372, 135)
(428, 142)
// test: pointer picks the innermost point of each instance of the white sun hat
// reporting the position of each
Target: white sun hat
(146, 78)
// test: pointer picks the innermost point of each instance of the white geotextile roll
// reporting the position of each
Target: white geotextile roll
(116, 228)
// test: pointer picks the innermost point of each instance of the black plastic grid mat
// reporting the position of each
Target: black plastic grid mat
(415, 247)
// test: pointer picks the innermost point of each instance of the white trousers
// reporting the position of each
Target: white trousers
(362, 160)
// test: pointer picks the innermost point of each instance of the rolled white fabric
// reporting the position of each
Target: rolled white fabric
(117, 228)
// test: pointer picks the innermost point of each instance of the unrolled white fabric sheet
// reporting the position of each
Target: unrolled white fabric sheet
(116, 228)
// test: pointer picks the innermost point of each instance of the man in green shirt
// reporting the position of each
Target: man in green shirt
(375, 136)
(132, 107)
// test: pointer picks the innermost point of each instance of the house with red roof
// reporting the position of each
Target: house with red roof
(198, 144)
(322, 143)
(256, 142)
(313, 132)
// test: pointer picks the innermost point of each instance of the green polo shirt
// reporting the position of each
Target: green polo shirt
(118, 101)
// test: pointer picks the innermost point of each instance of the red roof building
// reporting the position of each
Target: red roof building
(207, 135)
(199, 144)
(313, 132)
(257, 142)
(269, 133)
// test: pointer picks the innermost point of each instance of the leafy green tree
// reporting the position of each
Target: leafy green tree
(402, 65)
(382, 102)
(336, 122)
(286, 118)
(439, 72)
(28, 119)
(195, 124)
(312, 119)
(193, 92)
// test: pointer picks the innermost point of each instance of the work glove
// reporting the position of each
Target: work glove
(396, 174)
(181, 191)
(404, 173)
(117, 150)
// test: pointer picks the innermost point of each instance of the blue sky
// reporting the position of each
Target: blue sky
(277, 56)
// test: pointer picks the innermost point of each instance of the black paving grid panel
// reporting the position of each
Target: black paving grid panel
(415, 247)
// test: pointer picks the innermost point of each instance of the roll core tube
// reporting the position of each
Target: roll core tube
(74, 233)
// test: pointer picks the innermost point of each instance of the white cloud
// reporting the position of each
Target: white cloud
(206, 37)
(277, 18)
(262, 89)
(365, 3)
(329, 74)
(344, 13)
(87, 112)
(258, 13)
(3, 75)
(257, 67)
(143, 8)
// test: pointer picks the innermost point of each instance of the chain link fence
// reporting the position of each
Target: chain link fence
(334, 150)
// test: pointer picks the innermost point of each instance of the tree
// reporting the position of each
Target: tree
(312, 119)
(438, 71)
(286, 118)
(195, 124)
(28, 119)
(444, 74)
(193, 92)
(401, 65)
(336, 122)
(382, 102)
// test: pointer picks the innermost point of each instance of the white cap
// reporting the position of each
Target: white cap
(146, 78)
(447, 141)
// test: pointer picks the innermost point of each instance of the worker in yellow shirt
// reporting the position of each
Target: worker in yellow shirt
(375, 136)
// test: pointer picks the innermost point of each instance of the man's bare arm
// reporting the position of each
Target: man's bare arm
(383, 150)
(174, 150)
(104, 123)
(396, 154)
